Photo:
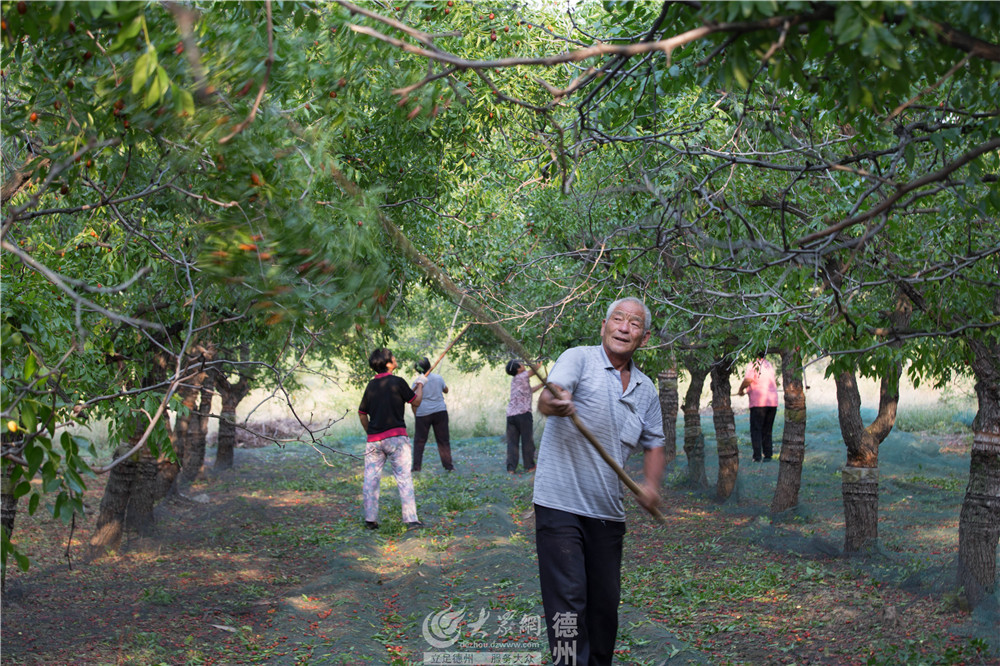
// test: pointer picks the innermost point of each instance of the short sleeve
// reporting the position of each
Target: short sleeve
(405, 391)
(567, 369)
(652, 432)
(363, 407)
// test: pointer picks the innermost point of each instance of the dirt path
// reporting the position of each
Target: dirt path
(270, 564)
(474, 559)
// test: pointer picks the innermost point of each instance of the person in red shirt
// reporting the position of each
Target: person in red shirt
(381, 414)
(763, 387)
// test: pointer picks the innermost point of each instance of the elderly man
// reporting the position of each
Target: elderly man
(579, 515)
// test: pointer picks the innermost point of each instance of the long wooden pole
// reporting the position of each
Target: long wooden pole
(472, 306)
(448, 348)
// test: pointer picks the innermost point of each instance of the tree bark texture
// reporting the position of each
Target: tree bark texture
(860, 492)
(8, 503)
(725, 429)
(131, 490)
(231, 395)
(110, 524)
(979, 521)
(142, 495)
(793, 438)
(20, 179)
(194, 445)
(668, 405)
(860, 488)
(189, 394)
(694, 438)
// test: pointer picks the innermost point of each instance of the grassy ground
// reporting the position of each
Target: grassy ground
(269, 564)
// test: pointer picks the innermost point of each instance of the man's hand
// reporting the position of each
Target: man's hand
(421, 379)
(650, 497)
(556, 401)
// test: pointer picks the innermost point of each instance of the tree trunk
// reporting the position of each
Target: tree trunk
(8, 503)
(129, 494)
(110, 523)
(725, 428)
(167, 470)
(668, 405)
(231, 395)
(979, 522)
(694, 438)
(793, 438)
(142, 497)
(194, 445)
(860, 476)
(189, 394)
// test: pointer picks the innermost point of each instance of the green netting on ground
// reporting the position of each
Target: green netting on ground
(922, 481)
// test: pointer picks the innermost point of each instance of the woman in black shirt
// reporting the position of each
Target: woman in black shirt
(381, 414)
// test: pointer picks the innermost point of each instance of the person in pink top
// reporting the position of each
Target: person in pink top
(763, 388)
(520, 425)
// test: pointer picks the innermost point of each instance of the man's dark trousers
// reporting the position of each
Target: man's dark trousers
(579, 567)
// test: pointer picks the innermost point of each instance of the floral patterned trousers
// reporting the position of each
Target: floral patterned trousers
(399, 451)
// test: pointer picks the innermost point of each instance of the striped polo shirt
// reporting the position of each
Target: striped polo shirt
(571, 476)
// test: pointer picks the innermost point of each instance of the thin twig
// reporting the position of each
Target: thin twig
(951, 72)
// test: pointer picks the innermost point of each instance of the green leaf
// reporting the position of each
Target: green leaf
(74, 481)
(33, 503)
(22, 561)
(869, 43)
(183, 101)
(35, 455)
(21, 489)
(127, 33)
(28, 417)
(848, 25)
(98, 8)
(994, 198)
(144, 65)
(30, 367)
(158, 88)
(890, 60)
(57, 507)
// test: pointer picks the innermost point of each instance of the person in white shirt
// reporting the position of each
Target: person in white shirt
(432, 413)
(579, 510)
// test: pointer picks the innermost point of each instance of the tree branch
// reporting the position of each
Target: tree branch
(888, 202)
